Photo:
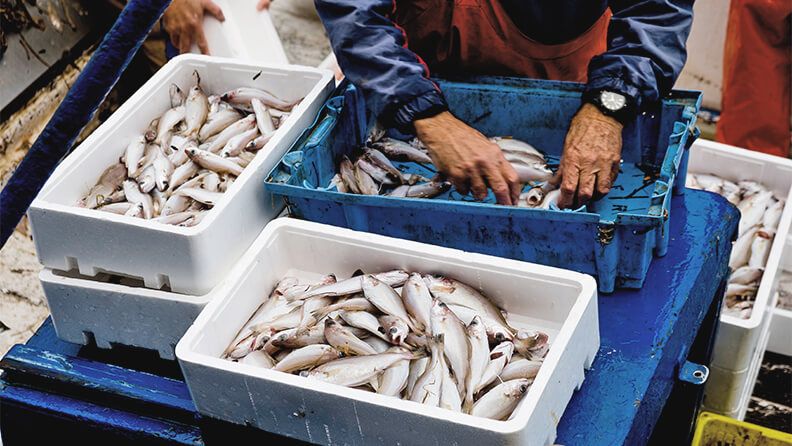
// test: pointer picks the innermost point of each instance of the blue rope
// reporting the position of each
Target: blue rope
(94, 83)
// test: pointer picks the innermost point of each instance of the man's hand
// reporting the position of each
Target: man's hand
(262, 5)
(468, 158)
(183, 20)
(590, 162)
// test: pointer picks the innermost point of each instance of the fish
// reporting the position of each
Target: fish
(550, 198)
(365, 183)
(151, 131)
(772, 216)
(752, 210)
(417, 301)
(134, 155)
(244, 95)
(263, 117)
(394, 379)
(500, 402)
(219, 141)
(449, 390)
(354, 285)
(204, 196)
(513, 145)
(710, 183)
(376, 158)
(356, 370)
(520, 369)
(428, 387)
(344, 341)
(363, 320)
(167, 122)
(528, 342)
(731, 192)
(424, 190)
(377, 173)
(163, 169)
(213, 162)
(394, 329)
(110, 181)
(479, 357)
(499, 357)
(176, 203)
(739, 290)
(382, 296)
(746, 274)
(117, 208)
(760, 249)
(339, 184)
(135, 211)
(401, 151)
(376, 343)
(455, 342)
(352, 304)
(691, 182)
(135, 196)
(237, 144)
(347, 171)
(196, 108)
(527, 173)
(454, 292)
(749, 188)
(175, 219)
(147, 180)
(293, 338)
(533, 197)
(417, 368)
(218, 122)
(258, 358)
(182, 174)
(307, 357)
(741, 250)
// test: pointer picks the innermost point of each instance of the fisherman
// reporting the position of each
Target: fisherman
(629, 54)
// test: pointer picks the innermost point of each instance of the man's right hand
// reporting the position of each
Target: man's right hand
(468, 159)
(183, 20)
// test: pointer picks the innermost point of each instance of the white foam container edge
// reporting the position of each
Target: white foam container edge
(110, 314)
(781, 323)
(737, 338)
(563, 303)
(191, 260)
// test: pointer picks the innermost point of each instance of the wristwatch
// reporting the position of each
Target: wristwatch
(610, 103)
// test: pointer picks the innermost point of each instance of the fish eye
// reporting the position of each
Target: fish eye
(394, 330)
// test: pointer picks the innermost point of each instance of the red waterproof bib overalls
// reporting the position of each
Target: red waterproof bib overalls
(478, 37)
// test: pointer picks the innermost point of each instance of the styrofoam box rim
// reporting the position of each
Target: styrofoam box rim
(47, 275)
(148, 89)
(588, 292)
(768, 282)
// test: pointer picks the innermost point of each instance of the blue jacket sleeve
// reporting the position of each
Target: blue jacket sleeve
(646, 49)
(372, 52)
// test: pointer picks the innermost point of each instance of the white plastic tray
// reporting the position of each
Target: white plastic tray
(245, 34)
(118, 314)
(737, 338)
(560, 302)
(190, 260)
(781, 323)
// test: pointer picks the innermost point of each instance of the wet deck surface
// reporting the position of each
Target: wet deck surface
(771, 402)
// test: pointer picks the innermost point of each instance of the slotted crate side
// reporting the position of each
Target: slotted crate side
(613, 242)
(781, 322)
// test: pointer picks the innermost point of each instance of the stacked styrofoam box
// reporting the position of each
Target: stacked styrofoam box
(781, 323)
(559, 302)
(245, 34)
(189, 260)
(740, 343)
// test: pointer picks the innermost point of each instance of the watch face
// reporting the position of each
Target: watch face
(612, 101)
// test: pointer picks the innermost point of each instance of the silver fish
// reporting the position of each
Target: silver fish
(339, 184)
(532, 172)
(752, 210)
(118, 208)
(220, 140)
(307, 357)
(347, 171)
(237, 144)
(163, 169)
(772, 216)
(738, 290)
(528, 342)
(167, 122)
(520, 369)
(417, 368)
(258, 358)
(455, 342)
(151, 131)
(263, 117)
(499, 357)
(147, 179)
(746, 274)
(212, 182)
(176, 95)
(307, 317)
(110, 181)
(376, 157)
(134, 154)
(424, 190)
(418, 301)
(760, 249)
(365, 183)
(176, 203)
(401, 151)
(731, 192)
(479, 357)
(517, 146)
(213, 162)
(357, 370)
(293, 338)
(134, 195)
(353, 304)
(394, 379)
(182, 174)
(259, 142)
(202, 195)
(376, 343)
(748, 188)
(383, 297)
(377, 173)
(344, 341)
(363, 320)
(394, 328)
(175, 219)
(501, 401)
(428, 387)
(741, 251)
(243, 96)
(179, 144)
(218, 122)
(550, 198)
(196, 108)
(354, 285)
(449, 390)
(135, 211)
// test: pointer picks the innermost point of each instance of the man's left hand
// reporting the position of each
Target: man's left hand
(590, 162)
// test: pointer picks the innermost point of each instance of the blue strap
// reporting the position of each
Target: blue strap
(94, 83)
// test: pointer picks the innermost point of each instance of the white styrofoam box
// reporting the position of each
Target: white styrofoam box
(118, 313)
(246, 34)
(559, 302)
(704, 66)
(190, 260)
(737, 339)
(781, 322)
(728, 392)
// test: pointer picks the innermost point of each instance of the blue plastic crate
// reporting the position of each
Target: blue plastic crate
(613, 238)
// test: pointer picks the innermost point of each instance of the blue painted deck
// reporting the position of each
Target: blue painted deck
(53, 390)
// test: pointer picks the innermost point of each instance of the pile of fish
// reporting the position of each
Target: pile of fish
(432, 340)
(379, 170)
(760, 213)
(181, 166)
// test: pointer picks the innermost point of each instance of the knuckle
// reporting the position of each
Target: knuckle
(567, 189)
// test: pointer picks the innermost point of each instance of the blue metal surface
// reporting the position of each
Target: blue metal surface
(613, 238)
(646, 337)
(89, 90)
